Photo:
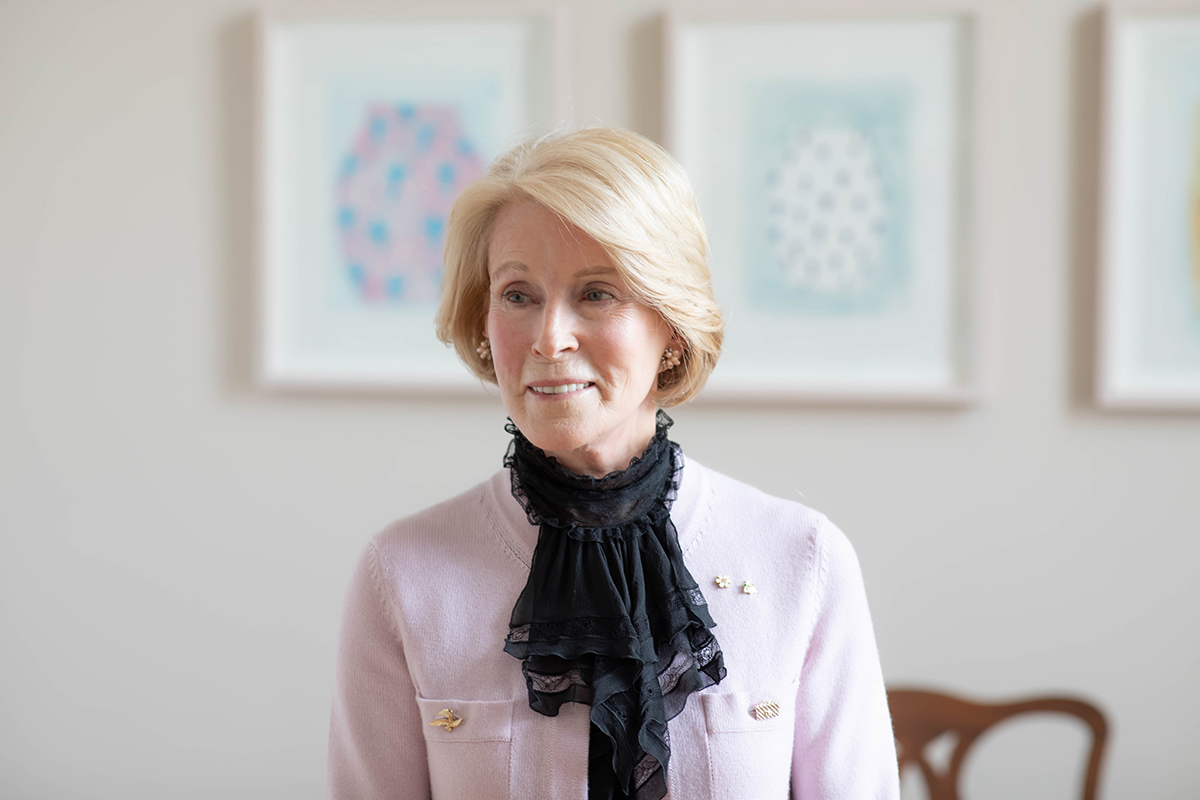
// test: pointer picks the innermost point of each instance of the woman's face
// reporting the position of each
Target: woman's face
(576, 355)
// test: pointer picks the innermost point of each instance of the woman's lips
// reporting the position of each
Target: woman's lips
(559, 388)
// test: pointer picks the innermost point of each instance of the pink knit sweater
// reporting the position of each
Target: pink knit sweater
(428, 610)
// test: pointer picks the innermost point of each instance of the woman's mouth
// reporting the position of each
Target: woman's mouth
(560, 388)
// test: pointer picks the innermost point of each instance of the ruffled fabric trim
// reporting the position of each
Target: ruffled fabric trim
(610, 616)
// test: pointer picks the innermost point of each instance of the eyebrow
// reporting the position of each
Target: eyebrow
(597, 270)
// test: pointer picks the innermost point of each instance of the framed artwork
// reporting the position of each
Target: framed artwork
(1148, 319)
(370, 123)
(831, 158)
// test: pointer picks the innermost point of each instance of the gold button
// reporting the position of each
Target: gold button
(766, 710)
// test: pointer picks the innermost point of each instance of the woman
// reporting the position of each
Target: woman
(542, 634)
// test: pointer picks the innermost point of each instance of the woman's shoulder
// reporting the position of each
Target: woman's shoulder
(764, 523)
(735, 499)
(457, 548)
(457, 521)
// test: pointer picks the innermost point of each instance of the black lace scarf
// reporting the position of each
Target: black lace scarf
(610, 616)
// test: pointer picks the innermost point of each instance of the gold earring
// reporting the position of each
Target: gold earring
(485, 349)
(670, 360)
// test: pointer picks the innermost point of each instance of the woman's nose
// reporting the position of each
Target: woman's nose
(556, 334)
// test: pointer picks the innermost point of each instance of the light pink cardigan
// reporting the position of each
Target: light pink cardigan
(428, 611)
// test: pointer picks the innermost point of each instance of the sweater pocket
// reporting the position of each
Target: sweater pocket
(469, 746)
(750, 743)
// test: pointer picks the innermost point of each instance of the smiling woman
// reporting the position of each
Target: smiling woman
(565, 649)
(576, 353)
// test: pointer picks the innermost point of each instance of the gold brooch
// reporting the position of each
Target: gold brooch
(724, 581)
(446, 719)
(749, 588)
(766, 710)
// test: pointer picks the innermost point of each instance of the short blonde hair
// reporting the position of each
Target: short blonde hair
(629, 195)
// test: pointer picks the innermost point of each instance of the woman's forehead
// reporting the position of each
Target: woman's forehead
(527, 236)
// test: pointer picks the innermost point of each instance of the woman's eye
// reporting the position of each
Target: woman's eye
(516, 297)
(596, 295)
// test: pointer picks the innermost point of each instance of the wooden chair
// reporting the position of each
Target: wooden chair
(919, 717)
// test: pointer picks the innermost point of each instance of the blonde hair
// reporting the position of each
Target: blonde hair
(629, 195)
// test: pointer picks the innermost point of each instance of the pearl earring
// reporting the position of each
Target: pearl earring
(485, 349)
(670, 360)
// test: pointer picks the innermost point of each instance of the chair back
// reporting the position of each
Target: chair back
(920, 716)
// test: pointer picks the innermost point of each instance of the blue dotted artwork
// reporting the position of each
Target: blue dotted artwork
(405, 165)
(827, 198)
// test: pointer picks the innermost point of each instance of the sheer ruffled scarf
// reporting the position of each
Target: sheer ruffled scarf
(610, 616)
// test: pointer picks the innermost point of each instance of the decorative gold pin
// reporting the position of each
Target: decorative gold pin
(446, 719)
(749, 588)
(724, 581)
(766, 710)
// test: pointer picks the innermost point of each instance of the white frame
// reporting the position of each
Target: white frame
(302, 344)
(963, 367)
(1128, 266)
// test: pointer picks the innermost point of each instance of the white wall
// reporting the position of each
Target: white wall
(174, 542)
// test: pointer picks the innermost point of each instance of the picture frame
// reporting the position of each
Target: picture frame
(370, 120)
(843, 278)
(1148, 282)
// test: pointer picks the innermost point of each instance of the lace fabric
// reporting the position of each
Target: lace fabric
(610, 616)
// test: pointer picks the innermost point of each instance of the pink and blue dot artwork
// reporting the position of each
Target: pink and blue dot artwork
(395, 185)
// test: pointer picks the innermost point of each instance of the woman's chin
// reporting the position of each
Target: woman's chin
(557, 417)
(556, 435)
